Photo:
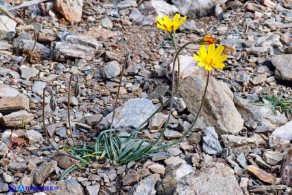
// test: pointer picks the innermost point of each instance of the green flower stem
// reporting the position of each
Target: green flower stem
(193, 124)
(177, 83)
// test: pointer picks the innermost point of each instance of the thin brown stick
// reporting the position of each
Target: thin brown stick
(69, 130)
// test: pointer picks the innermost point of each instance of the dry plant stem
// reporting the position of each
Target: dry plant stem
(196, 118)
(69, 131)
(44, 121)
(119, 88)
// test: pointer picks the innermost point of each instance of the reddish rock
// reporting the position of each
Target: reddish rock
(255, 7)
(269, 3)
(71, 10)
(261, 174)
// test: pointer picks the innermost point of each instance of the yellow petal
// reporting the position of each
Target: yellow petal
(198, 58)
(219, 50)
(201, 64)
(208, 68)
(160, 20)
(219, 65)
(211, 49)
(221, 59)
(203, 51)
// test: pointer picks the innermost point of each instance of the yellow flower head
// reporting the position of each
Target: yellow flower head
(169, 25)
(212, 58)
(207, 40)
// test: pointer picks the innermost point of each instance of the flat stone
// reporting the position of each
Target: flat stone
(107, 23)
(235, 141)
(34, 136)
(146, 186)
(43, 171)
(28, 72)
(4, 187)
(273, 157)
(174, 161)
(93, 119)
(131, 114)
(76, 46)
(7, 91)
(15, 119)
(187, 68)
(283, 134)
(3, 149)
(12, 104)
(283, 66)
(93, 190)
(157, 121)
(170, 134)
(111, 70)
(266, 119)
(8, 72)
(259, 79)
(212, 178)
(7, 178)
(7, 25)
(38, 87)
(70, 186)
(157, 168)
(211, 144)
(134, 176)
(173, 175)
(218, 103)
(261, 174)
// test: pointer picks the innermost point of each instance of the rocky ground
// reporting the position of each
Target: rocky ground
(241, 145)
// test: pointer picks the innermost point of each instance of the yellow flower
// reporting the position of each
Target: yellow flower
(169, 25)
(212, 58)
(207, 40)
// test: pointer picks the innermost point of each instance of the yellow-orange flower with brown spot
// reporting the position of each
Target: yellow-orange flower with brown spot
(168, 25)
(211, 58)
(208, 40)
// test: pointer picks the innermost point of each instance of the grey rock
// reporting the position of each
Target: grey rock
(6, 136)
(76, 46)
(93, 119)
(146, 186)
(244, 78)
(283, 66)
(27, 72)
(273, 157)
(196, 8)
(71, 187)
(107, 23)
(126, 4)
(174, 151)
(8, 72)
(43, 171)
(12, 104)
(4, 45)
(132, 114)
(3, 149)
(170, 134)
(218, 103)
(111, 70)
(136, 16)
(157, 121)
(93, 190)
(25, 45)
(15, 119)
(281, 136)
(7, 25)
(134, 176)
(173, 174)
(158, 92)
(259, 79)
(62, 132)
(235, 141)
(242, 160)
(7, 178)
(179, 104)
(64, 100)
(266, 119)
(33, 136)
(38, 87)
(7, 91)
(174, 161)
(187, 67)
(15, 166)
(4, 187)
(211, 144)
(211, 179)
(158, 8)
